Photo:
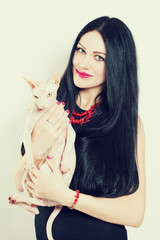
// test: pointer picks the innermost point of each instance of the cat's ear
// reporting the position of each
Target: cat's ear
(55, 79)
(31, 83)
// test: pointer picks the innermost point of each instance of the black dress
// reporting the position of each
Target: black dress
(75, 225)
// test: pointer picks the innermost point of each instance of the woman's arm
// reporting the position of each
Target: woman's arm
(126, 210)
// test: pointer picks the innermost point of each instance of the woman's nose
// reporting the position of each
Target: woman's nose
(85, 62)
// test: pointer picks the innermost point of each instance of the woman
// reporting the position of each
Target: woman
(100, 89)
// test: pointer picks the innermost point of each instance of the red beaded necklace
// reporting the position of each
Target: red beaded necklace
(86, 116)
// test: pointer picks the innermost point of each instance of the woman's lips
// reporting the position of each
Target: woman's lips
(83, 74)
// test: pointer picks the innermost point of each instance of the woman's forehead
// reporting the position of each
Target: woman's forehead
(93, 40)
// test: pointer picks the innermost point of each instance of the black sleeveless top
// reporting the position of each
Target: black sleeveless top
(73, 224)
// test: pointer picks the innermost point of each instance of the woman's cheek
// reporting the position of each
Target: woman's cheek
(75, 59)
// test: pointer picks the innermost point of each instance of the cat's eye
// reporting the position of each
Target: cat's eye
(50, 94)
(35, 96)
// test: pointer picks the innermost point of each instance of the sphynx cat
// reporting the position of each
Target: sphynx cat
(43, 96)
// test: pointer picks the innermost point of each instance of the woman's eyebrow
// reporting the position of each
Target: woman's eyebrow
(100, 53)
(94, 51)
(81, 45)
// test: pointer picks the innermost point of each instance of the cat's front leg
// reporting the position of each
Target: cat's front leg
(21, 201)
(68, 160)
(68, 164)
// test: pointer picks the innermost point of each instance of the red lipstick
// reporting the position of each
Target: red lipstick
(83, 74)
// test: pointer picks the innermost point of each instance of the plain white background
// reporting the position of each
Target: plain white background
(36, 37)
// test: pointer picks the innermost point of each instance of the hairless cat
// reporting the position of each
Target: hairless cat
(44, 95)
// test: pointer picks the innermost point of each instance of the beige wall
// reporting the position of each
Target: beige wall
(35, 40)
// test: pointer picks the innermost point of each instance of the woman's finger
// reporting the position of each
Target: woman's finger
(34, 170)
(32, 191)
(52, 165)
(55, 146)
(62, 129)
(64, 120)
(32, 176)
(30, 184)
(59, 119)
(57, 114)
(49, 112)
(53, 112)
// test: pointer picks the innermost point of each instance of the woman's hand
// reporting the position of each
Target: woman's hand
(48, 129)
(49, 186)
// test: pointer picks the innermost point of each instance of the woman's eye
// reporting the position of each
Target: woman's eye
(99, 58)
(35, 96)
(50, 94)
(80, 50)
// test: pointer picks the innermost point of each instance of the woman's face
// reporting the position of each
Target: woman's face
(89, 61)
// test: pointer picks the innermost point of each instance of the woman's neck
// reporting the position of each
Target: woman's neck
(86, 99)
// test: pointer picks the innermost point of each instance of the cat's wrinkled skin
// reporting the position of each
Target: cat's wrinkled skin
(44, 95)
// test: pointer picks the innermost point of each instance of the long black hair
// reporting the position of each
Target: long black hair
(106, 164)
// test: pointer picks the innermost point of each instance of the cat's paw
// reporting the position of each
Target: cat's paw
(64, 168)
(12, 199)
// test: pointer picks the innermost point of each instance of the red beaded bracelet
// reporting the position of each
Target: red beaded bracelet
(75, 200)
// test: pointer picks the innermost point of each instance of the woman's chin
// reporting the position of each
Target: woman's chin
(81, 83)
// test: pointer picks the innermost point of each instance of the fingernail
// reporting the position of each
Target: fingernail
(25, 181)
(63, 103)
(28, 189)
(48, 157)
(67, 111)
(28, 173)
(58, 102)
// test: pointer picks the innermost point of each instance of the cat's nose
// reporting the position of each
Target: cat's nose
(41, 106)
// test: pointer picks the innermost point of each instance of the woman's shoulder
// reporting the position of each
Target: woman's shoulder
(140, 129)
(140, 141)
